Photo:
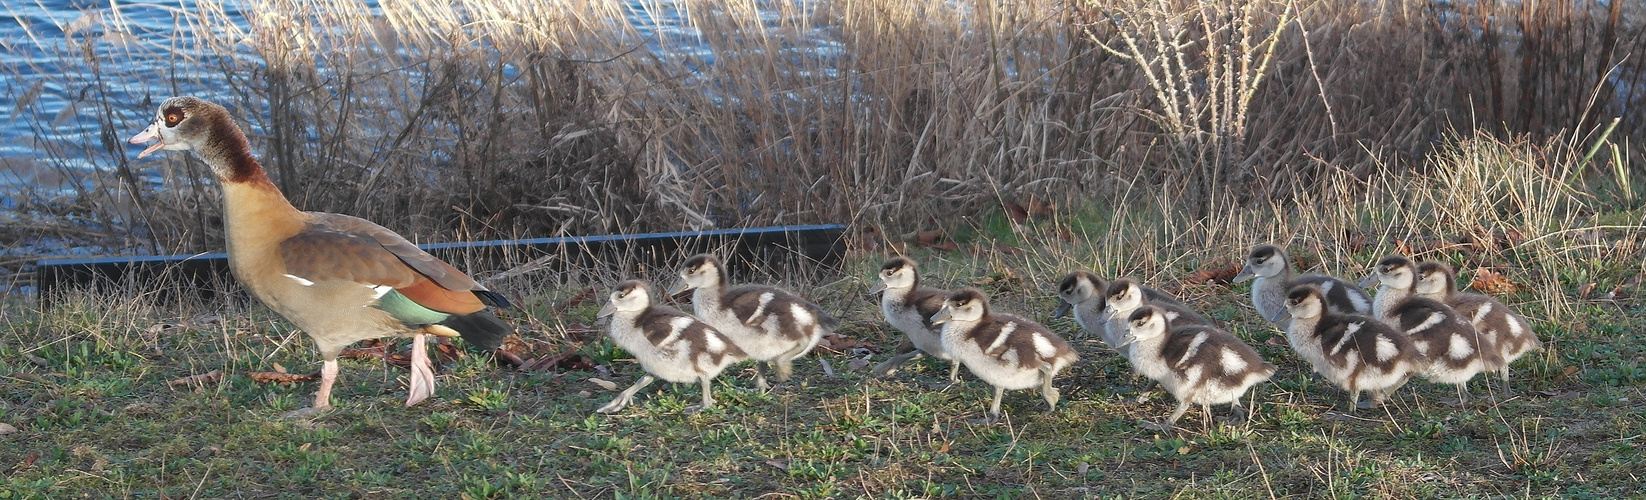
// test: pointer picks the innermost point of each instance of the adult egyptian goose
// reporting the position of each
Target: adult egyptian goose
(1197, 363)
(1274, 278)
(909, 308)
(1007, 351)
(340, 279)
(1354, 351)
(1499, 324)
(670, 345)
(1456, 351)
(771, 324)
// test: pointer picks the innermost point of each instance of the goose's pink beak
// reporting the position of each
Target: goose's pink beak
(149, 134)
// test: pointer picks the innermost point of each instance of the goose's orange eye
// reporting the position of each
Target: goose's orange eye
(173, 118)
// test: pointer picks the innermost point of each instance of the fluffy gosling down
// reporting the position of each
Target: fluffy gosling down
(1456, 351)
(1126, 296)
(909, 308)
(1085, 294)
(1354, 351)
(1198, 364)
(1008, 352)
(1496, 322)
(770, 324)
(670, 344)
(1274, 280)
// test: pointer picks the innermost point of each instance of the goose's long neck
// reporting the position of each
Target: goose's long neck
(254, 210)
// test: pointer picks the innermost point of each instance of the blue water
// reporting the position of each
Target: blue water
(60, 58)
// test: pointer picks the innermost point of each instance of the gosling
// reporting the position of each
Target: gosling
(1499, 324)
(1198, 364)
(770, 324)
(1008, 352)
(1354, 351)
(909, 308)
(1273, 273)
(669, 344)
(1085, 294)
(1456, 351)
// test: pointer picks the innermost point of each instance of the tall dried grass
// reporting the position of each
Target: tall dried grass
(498, 119)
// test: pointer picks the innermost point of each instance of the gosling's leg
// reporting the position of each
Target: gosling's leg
(623, 398)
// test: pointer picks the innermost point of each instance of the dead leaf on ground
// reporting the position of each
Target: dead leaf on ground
(841, 343)
(928, 238)
(27, 462)
(210, 377)
(282, 377)
(566, 360)
(38, 361)
(1567, 372)
(1041, 210)
(582, 297)
(1560, 394)
(1492, 282)
(603, 383)
(1584, 290)
(1016, 212)
(375, 352)
(511, 358)
(1220, 272)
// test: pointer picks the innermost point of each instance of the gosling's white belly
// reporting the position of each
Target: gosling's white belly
(909, 322)
(989, 368)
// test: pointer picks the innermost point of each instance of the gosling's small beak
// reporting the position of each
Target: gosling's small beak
(1126, 341)
(942, 315)
(878, 287)
(1283, 315)
(1062, 309)
(677, 287)
(1370, 280)
(608, 310)
(1246, 273)
(149, 134)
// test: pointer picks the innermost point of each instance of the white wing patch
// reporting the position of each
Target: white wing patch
(380, 290)
(1480, 314)
(1232, 362)
(1194, 347)
(1515, 328)
(1043, 346)
(765, 299)
(1460, 348)
(300, 280)
(677, 325)
(999, 340)
(802, 317)
(1348, 333)
(713, 343)
(1386, 349)
(1430, 322)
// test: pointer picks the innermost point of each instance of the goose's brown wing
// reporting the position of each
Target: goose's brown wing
(338, 247)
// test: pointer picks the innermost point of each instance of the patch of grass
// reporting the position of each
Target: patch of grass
(88, 383)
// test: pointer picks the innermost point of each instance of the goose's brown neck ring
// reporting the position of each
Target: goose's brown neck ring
(231, 156)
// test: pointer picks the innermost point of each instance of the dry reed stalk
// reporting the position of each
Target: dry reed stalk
(480, 119)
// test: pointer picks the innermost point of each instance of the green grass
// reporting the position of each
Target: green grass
(98, 418)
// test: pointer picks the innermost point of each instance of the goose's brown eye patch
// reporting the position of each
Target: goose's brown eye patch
(173, 116)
